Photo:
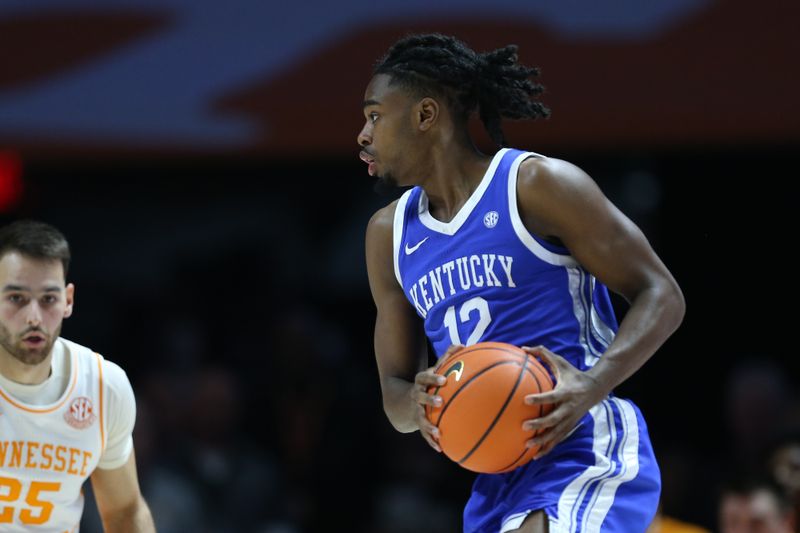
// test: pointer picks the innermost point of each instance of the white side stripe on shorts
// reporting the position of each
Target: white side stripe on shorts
(628, 453)
(601, 475)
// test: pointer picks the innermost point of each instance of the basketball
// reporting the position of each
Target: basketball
(480, 419)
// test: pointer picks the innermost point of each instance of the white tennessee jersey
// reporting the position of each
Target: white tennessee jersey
(48, 451)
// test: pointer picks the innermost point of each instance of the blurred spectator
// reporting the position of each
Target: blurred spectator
(681, 495)
(784, 464)
(238, 484)
(756, 506)
(177, 504)
(757, 394)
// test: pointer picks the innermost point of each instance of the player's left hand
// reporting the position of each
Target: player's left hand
(574, 394)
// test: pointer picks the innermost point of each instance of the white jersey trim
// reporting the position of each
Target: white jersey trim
(397, 232)
(591, 325)
(576, 277)
(450, 228)
(604, 334)
(519, 227)
(49, 408)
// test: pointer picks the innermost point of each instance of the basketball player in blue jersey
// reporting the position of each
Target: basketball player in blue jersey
(513, 247)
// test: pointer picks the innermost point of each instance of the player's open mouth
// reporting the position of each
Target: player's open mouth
(33, 340)
(369, 160)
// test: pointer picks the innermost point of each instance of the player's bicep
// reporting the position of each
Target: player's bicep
(400, 347)
(566, 203)
(614, 250)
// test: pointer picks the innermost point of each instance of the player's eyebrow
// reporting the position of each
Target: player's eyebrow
(368, 103)
(23, 288)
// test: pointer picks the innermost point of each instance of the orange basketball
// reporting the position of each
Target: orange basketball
(480, 419)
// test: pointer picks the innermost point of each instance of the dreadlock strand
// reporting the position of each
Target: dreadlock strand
(493, 83)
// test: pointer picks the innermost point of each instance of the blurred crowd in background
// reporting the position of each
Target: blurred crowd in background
(202, 162)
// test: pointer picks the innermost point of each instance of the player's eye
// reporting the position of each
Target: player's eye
(49, 299)
(373, 117)
(16, 298)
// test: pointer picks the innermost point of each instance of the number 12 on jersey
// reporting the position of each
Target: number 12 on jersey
(484, 319)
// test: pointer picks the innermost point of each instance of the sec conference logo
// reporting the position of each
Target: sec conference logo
(490, 219)
(80, 414)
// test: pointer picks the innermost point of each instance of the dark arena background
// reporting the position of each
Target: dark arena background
(201, 158)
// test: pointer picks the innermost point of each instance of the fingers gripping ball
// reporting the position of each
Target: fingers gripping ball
(483, 408)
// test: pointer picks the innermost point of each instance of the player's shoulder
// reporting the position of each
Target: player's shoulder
(552, 192)
(383, 218)
(380, 228)
(551, 174)
(113, 377)
(380, 241)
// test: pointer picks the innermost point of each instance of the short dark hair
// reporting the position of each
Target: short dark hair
(35, 239)
(493, 83)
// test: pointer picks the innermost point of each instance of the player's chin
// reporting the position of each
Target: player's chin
(33, 355)
(385, 183)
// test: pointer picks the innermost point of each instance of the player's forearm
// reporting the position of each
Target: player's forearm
(135, 518)
(398, 405)
(653, 316)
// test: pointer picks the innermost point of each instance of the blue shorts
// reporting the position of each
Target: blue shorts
(602, 478)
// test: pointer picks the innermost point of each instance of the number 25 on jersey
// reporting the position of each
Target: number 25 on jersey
(11, 491)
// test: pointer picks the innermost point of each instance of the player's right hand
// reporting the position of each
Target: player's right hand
(419, 395)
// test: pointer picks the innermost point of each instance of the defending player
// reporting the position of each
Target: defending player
(66, 414)
(518, 248)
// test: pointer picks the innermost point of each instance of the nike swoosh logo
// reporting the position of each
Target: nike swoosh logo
(413, 249)
(457, 369)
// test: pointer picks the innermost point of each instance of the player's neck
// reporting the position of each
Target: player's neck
(17, 371)
(453, 176)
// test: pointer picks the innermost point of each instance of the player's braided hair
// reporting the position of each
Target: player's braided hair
(491, 82)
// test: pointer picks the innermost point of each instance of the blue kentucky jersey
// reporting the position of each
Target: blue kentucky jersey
(484, 277)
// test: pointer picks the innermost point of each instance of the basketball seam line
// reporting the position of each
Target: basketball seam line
(476, 347)
(524, 451)
(470, 380)
(468, 350)
(499, 414)
(541, 408)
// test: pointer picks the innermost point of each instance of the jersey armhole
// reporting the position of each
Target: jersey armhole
(547, 252)
(101, 402)
(397, 232)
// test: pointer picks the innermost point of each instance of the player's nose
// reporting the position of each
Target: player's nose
(34, 314)
(364, 136)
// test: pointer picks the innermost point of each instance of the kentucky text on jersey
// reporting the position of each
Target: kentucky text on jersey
(44, 456)
(483, 276)
(461, 274)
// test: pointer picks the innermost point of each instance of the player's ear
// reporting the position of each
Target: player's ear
(428, 113)
(69, 295)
